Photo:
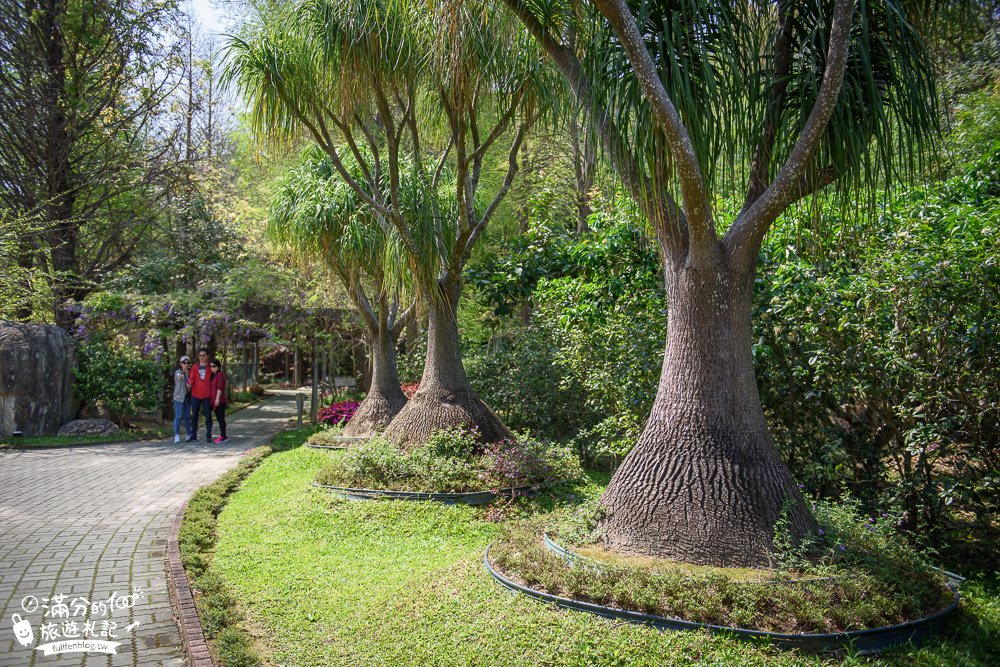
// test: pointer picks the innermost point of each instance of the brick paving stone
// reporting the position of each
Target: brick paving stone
(86, 522)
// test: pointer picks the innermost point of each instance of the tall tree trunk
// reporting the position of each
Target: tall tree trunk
(584, 161)
(385, 399)
(704, 484)
(445, 398)
(26, 264)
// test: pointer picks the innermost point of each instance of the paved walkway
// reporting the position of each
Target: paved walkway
(87, 523)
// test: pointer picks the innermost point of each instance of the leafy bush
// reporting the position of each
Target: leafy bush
(452, 460)
(878, 371)
(587, 365)
(112, 379)
(518, 377)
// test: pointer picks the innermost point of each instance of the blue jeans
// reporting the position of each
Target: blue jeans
(199, 405)
(182, 415)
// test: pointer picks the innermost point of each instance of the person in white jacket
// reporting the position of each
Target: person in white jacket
(182, 398)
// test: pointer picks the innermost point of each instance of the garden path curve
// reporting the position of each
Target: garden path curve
(87, 522)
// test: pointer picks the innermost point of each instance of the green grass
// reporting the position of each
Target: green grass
(130, 435)
(323, 581)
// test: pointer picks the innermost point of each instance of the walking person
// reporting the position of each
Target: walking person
(182, 398)
(220, 397)
(200, 379)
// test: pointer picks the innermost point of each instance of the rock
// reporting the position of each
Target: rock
(36, 378)
(88, 427)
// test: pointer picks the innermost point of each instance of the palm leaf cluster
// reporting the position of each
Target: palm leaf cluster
(744, 78)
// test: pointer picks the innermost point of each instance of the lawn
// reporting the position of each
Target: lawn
(324, 581)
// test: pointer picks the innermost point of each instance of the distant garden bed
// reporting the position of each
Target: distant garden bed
(451, 462)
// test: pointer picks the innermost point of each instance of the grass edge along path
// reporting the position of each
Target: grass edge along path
(323, 581)
(217, 609)
(152, 433)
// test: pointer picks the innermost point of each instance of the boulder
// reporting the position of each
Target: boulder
(36, 378)
(88, 427)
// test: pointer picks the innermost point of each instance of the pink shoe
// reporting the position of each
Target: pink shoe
(220, 439)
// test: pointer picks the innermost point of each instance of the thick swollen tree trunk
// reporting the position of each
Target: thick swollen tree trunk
(385, 399)
(445, 398)
(704, 484)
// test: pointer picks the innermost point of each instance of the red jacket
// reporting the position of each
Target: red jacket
(200, 384)
(219, 384)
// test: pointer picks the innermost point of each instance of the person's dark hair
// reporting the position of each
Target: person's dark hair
(202, 349)
(216, 363)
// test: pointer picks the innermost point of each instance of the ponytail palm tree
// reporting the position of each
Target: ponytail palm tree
(317, 216)
(400, 85)
(768, 103)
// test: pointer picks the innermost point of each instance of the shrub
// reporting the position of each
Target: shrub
(113, 379)
(452, 460)
(518, 377)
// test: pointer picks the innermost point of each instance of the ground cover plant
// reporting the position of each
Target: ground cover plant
(327, 437)
(324, 581)
(856, 573)
(453, 460)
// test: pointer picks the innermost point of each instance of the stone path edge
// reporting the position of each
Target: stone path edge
(13, 446)
(182, 598)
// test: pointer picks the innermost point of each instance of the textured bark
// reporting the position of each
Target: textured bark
(445, 398)
(704, 484)
(385, 399)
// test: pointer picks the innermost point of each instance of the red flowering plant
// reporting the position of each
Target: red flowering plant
(338, 414)
(409, 389)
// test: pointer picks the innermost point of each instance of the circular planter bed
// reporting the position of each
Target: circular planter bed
(336, 442)
(865, 641)
(467, 498)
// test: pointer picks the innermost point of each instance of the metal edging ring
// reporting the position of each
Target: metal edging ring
(866, 641)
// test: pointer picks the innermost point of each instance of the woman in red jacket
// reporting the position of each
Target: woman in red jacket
(219, 398)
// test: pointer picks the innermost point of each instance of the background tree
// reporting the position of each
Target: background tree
(679, 93)
(377, 75)
(318, 216)
(81, 156)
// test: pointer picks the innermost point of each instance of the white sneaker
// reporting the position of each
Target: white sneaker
(177, 438)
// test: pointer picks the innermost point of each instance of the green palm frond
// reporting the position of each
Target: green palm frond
(716, 62)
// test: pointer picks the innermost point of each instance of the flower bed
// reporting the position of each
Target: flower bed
(452, 461)
(338, 414)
